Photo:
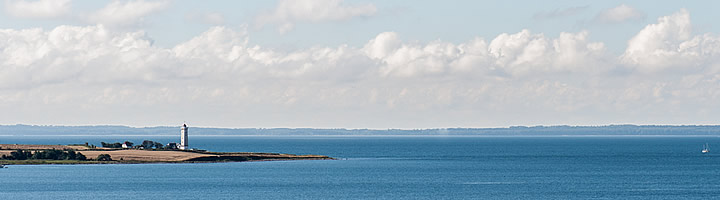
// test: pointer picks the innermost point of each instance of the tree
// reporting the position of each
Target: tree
(103, 157)
(80, 156)
(158, 145)
(46, 154)
(147, 144)
(71, 155)
(19, 155)
(113, 145)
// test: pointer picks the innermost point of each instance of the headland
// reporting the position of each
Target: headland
(101, 155)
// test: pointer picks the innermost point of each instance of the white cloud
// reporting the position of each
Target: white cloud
(669, 44)
(289, 12)
(126, 13)
(382, 45)
(218, 79)
(95, 54)
(621, 13)
(40, 9)
(67, 53)
(517, 54)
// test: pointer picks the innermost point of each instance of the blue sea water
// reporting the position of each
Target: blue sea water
(390, 168)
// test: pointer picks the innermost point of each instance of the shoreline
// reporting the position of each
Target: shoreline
(92, 162)
(137, 156)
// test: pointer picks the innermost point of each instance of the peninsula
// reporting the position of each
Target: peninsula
(147, 152)
(102, 155)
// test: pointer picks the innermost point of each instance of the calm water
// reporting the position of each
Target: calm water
(392, 168)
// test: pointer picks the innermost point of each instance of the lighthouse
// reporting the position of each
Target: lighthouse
(184, 137)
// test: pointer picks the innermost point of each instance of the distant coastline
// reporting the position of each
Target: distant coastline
(562, 130)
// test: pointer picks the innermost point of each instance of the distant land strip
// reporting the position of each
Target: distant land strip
(131, 156)
(100, 130)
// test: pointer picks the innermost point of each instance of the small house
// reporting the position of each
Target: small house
(126, 145)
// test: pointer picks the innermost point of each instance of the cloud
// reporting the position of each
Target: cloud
(96, 55)
(557, 13)
(289, 12)
(619, 14)
(221, 51)
(516, 54)
(669, 44)
(70, 53)
(126, 13)
(41, 9)
(218, 79)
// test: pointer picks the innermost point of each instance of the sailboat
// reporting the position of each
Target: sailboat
(705, 148)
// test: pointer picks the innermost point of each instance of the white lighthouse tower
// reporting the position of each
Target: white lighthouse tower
(184, 137)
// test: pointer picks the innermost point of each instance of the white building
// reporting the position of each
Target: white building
(126, 145)
(184, 137)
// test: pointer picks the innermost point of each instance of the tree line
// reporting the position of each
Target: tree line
(51, 154)
(146, 144)
(47, 154)
(114, 145)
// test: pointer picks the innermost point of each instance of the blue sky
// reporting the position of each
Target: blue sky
(359, 64)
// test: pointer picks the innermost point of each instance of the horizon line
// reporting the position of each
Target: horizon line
(378, 129)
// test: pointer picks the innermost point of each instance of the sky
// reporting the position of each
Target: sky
(359, 64)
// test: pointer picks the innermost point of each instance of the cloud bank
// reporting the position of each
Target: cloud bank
(217, 78)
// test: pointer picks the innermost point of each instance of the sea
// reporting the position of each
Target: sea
(390, 167)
